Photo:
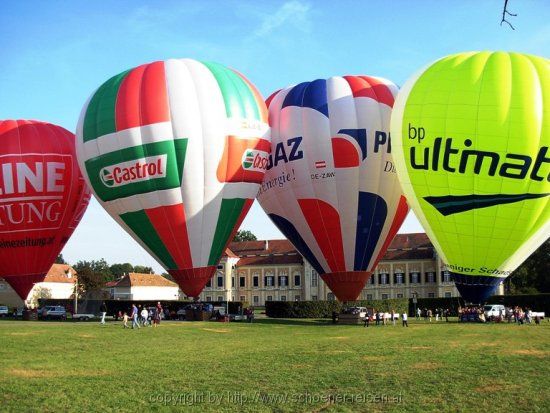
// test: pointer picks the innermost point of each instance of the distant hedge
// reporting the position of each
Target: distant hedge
(324, 309)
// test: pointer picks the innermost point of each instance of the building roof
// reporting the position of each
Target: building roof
(142, 280)
(61, 273)
(414, 246)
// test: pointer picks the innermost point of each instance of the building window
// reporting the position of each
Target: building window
(384, 296)
(283, 281)
(243, 298)
(384, 279)
(313, 298)
(3, 287)
(399, 295)
(232, 282)
(430, 277)
(431, 295)
(330, 297)
(208, 298)
(255, 281)
(399, 278)
(297, 280)
(242, 282)
(220, 267)
(314, 278)
(220, 281)
(269, 298)
(369, 296)
(371, 279)
(415, 277)
(269, 281)
(220, 298)
(446, 276)
(448, 294)
(256, 299)
(209, 283)
(283, 297)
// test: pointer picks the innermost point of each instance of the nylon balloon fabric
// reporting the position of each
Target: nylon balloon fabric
(330, 184)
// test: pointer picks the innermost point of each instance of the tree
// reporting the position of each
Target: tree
(244, 235)
(532, 275)
(118, 270)
(60, 259)
(143, 269)
(89, 278)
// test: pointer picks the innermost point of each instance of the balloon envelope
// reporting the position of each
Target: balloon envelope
(175, 151)
(42, 199)
(330, 186)
(471, 133)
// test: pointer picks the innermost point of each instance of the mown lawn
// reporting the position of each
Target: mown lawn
(274, 365)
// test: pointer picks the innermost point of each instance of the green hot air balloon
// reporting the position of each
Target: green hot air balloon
(470, 135)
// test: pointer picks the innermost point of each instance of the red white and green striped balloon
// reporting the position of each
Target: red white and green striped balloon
(175, 151)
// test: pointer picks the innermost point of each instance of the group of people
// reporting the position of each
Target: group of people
(143, 316)
(428, 314)
(471, 313)
(519, 316)
(380, 318)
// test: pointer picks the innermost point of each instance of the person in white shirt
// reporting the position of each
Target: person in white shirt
(144, 316)
(404, 318)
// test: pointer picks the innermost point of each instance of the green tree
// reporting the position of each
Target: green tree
(532, 275)
(143, 269)
(118, 270)
(60, 259)
(244, 235)
(92, 276)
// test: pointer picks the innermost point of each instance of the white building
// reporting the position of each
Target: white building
(135, 286)
(59, 283)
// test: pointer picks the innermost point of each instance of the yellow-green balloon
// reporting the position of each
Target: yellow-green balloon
(470, 135)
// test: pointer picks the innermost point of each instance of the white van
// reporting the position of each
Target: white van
(494, 310)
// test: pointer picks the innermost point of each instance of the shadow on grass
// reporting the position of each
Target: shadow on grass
(293, 321)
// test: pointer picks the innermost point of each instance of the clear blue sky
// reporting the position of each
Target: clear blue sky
(53, 54)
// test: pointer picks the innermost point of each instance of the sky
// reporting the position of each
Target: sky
(54, 54)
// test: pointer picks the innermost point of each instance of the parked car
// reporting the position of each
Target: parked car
(4, 311)
(51, 312)
(494, 311)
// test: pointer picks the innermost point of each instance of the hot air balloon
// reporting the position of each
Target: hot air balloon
(175, 151)
(330, 185)
(471, 133)
(42, 199)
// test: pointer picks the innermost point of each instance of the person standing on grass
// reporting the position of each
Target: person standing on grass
(418, 313)
(134, 316)
(367, 319)
(103, 310)
(392, 317)
(125, 320)
(404, 318)
(377, 315)
(447, 311)
(429, 313)
(159, 311)
(144, 316)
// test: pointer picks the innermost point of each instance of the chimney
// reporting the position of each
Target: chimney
(266, 244)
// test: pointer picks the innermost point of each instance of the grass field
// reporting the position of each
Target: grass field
(274, 365)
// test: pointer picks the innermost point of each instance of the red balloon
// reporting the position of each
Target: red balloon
(42, 199)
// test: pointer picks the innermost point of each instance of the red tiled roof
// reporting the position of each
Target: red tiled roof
(414, 246)
(229, 253)
(58, 274)
(274, 246)
(271, 260)
(143, 280)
